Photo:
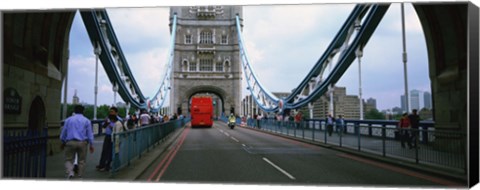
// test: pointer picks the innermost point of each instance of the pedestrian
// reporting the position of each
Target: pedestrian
(117, 127)
(414, 123)
(75, 161)
(404, 127)
(330, 120)
(279, 117)
(132, 122)
(298, 119)
(340, 124)
(76, 135)
(165, 118)
(144, 118)
(259, 120)
(106, 156)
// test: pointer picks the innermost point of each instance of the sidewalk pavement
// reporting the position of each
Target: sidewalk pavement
(56, 163)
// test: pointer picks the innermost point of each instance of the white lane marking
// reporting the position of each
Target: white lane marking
(244, 145)
(279, 169)
(221, 130)
(227, 134)
(233, 138)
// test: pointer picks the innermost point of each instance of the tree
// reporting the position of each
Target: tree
(102, 111)
(374, 114)
(69, 110)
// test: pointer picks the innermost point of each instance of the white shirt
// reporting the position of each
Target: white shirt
(144, 119)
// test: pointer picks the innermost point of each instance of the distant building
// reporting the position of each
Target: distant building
(370, 105)
(249, 107)
(388, 114)
(414, 100)
(397, 110)
(427, 100)
(76, 99)
(346, 105)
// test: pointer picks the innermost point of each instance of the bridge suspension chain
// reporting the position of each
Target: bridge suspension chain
(103, 38)
(353, 35)
(162, 93)
(264, 98)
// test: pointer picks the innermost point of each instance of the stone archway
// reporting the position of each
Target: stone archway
(37, 115)
(446, 31)
(219, 108)
(219, 92)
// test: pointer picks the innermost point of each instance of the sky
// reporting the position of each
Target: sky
(283, 42)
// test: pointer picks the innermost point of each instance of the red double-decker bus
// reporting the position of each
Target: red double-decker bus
(201, 111)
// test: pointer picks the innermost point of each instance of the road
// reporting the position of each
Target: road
(245, 156)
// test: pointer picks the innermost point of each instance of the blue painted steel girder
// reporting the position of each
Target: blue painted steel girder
(346, 58)
(92, 24)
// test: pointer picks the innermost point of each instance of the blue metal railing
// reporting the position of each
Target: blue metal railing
(24, 153)
(442, 149)
(130, 145)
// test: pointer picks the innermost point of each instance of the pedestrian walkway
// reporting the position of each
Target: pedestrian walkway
(56, 169)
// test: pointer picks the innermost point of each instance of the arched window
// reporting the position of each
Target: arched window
(219, 67)
(184, 65)
(227, 65)
(206, 37)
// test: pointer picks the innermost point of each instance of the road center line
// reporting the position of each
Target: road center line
(227, 134)
(279, 169)
(236, 140)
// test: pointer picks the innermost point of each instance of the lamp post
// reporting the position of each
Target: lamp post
(359, 54)
(115, 90)
(310, 109)
(330, 91)
(97, 52)
(404, 56)
(127, 109)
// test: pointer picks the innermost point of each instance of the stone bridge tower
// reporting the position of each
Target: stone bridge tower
(206, 57)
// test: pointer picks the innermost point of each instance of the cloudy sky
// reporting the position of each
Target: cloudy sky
(283, 42)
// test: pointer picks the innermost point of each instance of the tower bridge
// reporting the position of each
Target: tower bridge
(208, 56)
(207, 49)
